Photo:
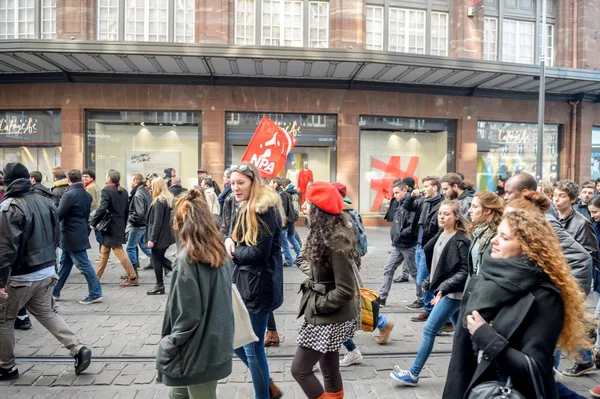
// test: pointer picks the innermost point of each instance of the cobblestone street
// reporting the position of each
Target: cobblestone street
(124, 330)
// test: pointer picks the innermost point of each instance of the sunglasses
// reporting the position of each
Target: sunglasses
(243, 169)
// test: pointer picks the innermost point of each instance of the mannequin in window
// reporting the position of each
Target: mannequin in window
(305, 177)
(292, 174)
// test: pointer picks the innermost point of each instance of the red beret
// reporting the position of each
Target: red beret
(341, 188)
(325, 196)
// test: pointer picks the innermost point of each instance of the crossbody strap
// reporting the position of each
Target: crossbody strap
(535, 377)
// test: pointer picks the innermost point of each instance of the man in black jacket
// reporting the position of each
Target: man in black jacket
(287, 233)
(139, 205)
(404, 244)
(226, 191)
(36, 179)
(60, 183)
(73, 213)
(29, 233)
(176, 189)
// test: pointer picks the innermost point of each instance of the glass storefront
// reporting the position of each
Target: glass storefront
(316, 145)
(392, 148)
(505, 148)
(144, 142)
(32, 138)
(595, 172)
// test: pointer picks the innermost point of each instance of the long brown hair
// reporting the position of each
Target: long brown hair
(462, 224)
(246, 224)
(197, 231)
(540, 244)
(493, 208)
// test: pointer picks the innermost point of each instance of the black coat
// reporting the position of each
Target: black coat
(139, 205)
(222, 197)
(451, 272)
(159, 229)
(177, 190)
(430, 227)
(258, 272)
(529, 326)
(113, 199)
(73, 213)
(401, 231)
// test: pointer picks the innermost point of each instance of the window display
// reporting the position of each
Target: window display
(144, 142)
(595, 172)
(395, 148)
(314, 152)
(505, 148)
(32, 138)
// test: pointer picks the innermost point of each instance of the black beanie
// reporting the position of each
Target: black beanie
(14, 171)
(409, 181)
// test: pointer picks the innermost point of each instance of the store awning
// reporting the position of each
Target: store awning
(178, 63)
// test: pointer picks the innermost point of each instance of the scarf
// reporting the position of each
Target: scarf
(85, 185)
(502, 281)
(427, 203)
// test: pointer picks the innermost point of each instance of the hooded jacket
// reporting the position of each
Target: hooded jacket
(258, 271)
(139, 205)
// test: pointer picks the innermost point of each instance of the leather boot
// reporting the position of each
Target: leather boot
(272, 339)
(157, 290)
(268, 338)
(335, 395)
(274, 391)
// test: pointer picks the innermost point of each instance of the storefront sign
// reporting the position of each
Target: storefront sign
(513, 137)
(269, 147)
(18, 126)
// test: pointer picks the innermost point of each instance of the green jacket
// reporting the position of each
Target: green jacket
(197, 343)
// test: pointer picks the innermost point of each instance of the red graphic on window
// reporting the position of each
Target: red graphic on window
(391, 171)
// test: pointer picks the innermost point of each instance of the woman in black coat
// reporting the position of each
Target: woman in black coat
(113, 205)
(513, 310)
(159, 231)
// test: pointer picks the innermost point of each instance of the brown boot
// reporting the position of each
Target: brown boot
(335, 395)
(384, 334)
(130, 282)
(274, 391)
(272, 339)
(423, 316)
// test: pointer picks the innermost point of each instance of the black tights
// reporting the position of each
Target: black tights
(302, 366)
(159, 261)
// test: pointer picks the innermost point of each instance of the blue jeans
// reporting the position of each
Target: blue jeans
(81, 261)
(446, 309)
(287, 237)
(382, 323)
(137, 237)
(422, 274)
(254, 357)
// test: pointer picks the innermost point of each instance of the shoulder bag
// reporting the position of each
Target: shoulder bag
(368, 311)
(104, 223)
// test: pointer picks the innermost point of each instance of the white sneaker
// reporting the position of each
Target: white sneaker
(351, 358)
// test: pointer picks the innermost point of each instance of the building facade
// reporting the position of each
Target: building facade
(373, 90)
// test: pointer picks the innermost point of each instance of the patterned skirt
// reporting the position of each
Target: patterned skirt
(325, 337)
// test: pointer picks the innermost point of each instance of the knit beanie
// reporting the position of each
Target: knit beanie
(14, 171)
(409, 181)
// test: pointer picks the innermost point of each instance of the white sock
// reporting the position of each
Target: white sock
(22, 317)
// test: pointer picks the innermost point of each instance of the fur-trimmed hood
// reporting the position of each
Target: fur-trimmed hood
(61, 183)
(268, 198)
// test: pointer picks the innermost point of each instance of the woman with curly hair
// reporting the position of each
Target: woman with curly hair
(329, 301)
(485, 212)
(522, 304)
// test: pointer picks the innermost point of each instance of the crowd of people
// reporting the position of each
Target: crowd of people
(508, 272)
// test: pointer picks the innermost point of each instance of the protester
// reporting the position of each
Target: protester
(486, 211)
(454, 188)
(139, 207)
(290, 217)
(192, 363)
(404, 277)
(328, 302)
(170, 173)
(92, 188)
(226, 191)
(291, 190)
(447, 259)
(176, 189)
(27, 268)
(202, 173)
(113, 205)
(514, 309)
(73, 214)
(60, 184)
(160, 232)
(254, 243)
(211, 197)
(500, 186)
(587, 191)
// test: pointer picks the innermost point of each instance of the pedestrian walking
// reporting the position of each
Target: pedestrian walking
(113, 208)
(255, 247)
(92, 188)
(447, 260)
(29, 234)
(485, 212)
(160, 232)
(329, 303)
(73, 213)
(192, 363)
(139, 207)
(513, 313)
(594, 210)
(454, 187)
(60, 184)
(211, 196)
(226, 191)
(176, 189)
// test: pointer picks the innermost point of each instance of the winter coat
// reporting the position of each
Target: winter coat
(73, 213)
(177, 190)
(94, 190)
(529, 326)
(197, 343)
(581, 230)
(430, 227)
(258, 271)
(328, 295)
(139, 205)
(288, 207)
(222, 197)
(39, 188)
(401, 230)
(32, 221)
(213, 201)
(391, 212)
(59, 187)
(451, 271)
(113, 200)
(229, 208)
(159, 229)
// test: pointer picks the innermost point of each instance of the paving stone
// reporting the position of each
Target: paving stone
(132, 368)
(28, 378)
(65, 379)
(106, 377)
(45, 381)
(84, 379)
(146, 393)
(145, 377)
(124, 380)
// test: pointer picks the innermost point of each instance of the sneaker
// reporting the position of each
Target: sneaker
(580, 369)
(404, 377)
(130, 282)
(401, 280)
(381, 303)
(9, 374)
(446, 328)
(384, 334)
(83, 358)
(351, 358)
(56, 298)
(89, 300)
(595, 392)
(24, 324)
(421, 317)
(416, 305)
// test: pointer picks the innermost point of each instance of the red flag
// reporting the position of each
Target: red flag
(269, 147)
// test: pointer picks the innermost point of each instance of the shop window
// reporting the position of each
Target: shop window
(374, 28)
(245, 16)
(407, 31)
(490, 39)
(517, 41)
(393, 148)
(595, 172)
(20, 18)
(32, 138)
(144, 142)
(506, 148)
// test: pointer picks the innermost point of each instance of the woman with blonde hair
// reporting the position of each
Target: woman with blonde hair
(159, 231)
(254, 244)
(197, 345)
(515, 312)
(485, 212)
